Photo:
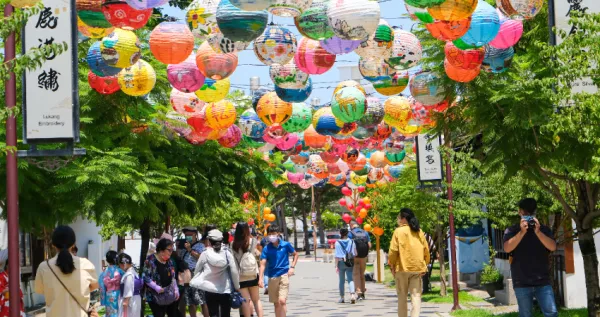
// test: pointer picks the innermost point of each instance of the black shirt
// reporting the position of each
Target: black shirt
(530, 264)
(165, 274)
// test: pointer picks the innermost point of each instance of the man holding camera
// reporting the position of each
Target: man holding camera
(530, 244)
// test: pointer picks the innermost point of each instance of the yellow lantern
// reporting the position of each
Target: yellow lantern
(267, 210)
(367, 227)
(213, 90)
(92, 32)
(121, 48)
(397, 111)
(137, 80)
(271, 109)
(453, 10)
(363, 213)
(349, 83)
(220, 115)
(23, 4)
(367, 200)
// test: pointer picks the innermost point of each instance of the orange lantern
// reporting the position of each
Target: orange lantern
(313, 139)
(449, 30)
(453, 10)
(458, 74)
(367, 227)
(220, 115)
(214, 65)
(271, 217)
(104, 85)
(378, 231)
(337, 179)
(363, 213)
(465, 59)
(377, 159)
(171, 42)
(267, 210)
(271, 109)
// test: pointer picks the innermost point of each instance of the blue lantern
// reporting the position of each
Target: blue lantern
(485, 24)
(240, 25)
(97, 64)
(294, 95)
(251, 125)
(325, 123)
(497, 60)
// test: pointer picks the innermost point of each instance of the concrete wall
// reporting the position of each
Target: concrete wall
(89, 242)
(575, 290)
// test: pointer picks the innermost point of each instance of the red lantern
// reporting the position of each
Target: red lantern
(246, 195)
(342, 202)
(361, 189)
(361, 202)
(103, 85)
(121, 15)
(251, 222)
(346, 191)
(459, 74)
(358, 208)
(350, 206)
(368, 206)
(465, 59)
(359, 221)
(346, 218)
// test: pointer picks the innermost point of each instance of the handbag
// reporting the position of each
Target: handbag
(88, 312)
(236, 298)
(167, 297)
(348, 260)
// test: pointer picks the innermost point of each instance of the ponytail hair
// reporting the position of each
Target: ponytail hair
(409, 215)
(63, 238)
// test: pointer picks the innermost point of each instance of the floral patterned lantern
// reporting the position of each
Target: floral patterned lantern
(406, 51)
(465, 59)
(122, 15)
(485, 24)
(374, 69)
(92, 32)
(272, 110)
(425, 89)
(252, 5)
(185, 76)
(288, 75)
(460, 74)
(214, 65)
(420, 113)
(312, 59)
(289, 8)
(392, 85)
(171, 42)
(213, 90)
(337, 179)
(448, 30)
(201, 17)
(239, 25)
(138, 79)
(199, 125)
(520, 9)
(294, 95)
(232, 137)
(220, 115)
(317, 167)
(120, 48)
(300, 119)
(222, 45)
(313, 139)
(349, 83)
(382, 131)
(353, 19)
(374, 113)
(90, 12)
(251, 125)
(397, 111)
(185, 103)
(314, 22)
(103, 85)
(496, 60)
(326, 123)
(376, 174)
(146, 4)
(97, 64)
(509, 34)
(378, 44)
(275, 45)
(338, 46)
(348, 104)
(453, 10)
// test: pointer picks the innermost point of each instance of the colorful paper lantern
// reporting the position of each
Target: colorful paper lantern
(146, 4)
(406, 50)
(121, 48)
(465, 59)
(420, 113)
(520, 9)
(274, 133)
(325, 123)
(214, 65)
(353, 19)
(288, 75)
(171, 42)
(251, 125)
(496, 60)
(289, 8)
(313, 139)
(374, 69)
(397, 111)
(295, 178)
(337, 179)
(213, 90)
(418, 14)
(221, 44)
(220, 115)
(185, 103)
(347, 130)
(314, 22)
(294, 95)
(232, 137)
(392, 85)
(348, 104)
(485, 24)
(378, 44)
(275, 45)
(359, 163)
(300, 119)
(423, 3)
(239, 25)
(23, 3)
(252, 5)
(288, 141)
(424, 87)
(460, 74)
(394, 171)
(103, 85)
(97, 64)
(453, 10)
(257, 94)
(185, 76)
(201, 16)
(90, 12)
(448, 30)
(317, 167)
(92, 32)
(349, 83)
(122, 15)
(137, 80)
(382, 131)
(509, 34)
(374, 175)
(312, 59)
(374, 113)
(338, 46)
(362, 133)
(271, 109)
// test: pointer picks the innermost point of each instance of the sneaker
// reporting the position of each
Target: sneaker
(359, 297)
(362, 296)
(341, 301)
(267, 291)
(353, 299)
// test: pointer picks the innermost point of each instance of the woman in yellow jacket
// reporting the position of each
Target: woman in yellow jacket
(408, 258)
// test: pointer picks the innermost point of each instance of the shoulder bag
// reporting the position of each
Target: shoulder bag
(88, 312)
(236, 298)
(168, 296)
(348, 257)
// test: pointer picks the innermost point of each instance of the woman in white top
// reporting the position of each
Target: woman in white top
(130, 301)
(345, 251)
(244, 249)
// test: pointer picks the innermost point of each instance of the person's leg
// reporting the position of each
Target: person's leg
(182, 302)
(545, 298)
(157, 310)
(254, 294)
(361, 281)
(350, 278)
(266, 279)
(245, 309)
(402, 291)
(172, 310)
(212, 301)
(284, 287)
(525, 301)
(415, 287)
(342, 280)
(274, 293)
(356, 276)
(225, 305)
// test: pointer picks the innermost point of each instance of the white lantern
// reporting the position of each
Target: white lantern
(353, 19)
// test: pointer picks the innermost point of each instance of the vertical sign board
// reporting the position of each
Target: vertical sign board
(50, 92)
(429, 158)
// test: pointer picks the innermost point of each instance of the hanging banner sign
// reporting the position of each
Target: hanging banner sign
(50, 92)
(429, 158)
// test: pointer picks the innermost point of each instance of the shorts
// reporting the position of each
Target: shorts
(194, 296)
(250, 283)
(279, 287)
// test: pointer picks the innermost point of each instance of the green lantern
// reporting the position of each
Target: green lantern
(348, 104)
(423, 3)
(289, 166)
(300, 119)
(314, 22)
(395, 158)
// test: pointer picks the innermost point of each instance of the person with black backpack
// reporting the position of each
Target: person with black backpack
(345, 253)
(363, 245)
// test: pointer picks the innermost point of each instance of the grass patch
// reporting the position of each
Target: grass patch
(435, 297)
(435, 272)
(484, 313)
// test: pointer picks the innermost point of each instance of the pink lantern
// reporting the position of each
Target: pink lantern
(368, 206)
(232, 137)
(346, 218)
(350, 206)
(361, 189)
(186, 103)
(343, 166)
(358, 208)
(287, 141)
(346, 191)
(198, 123)
(274, 134)
(359, 221)
(312, 59)
(185, 76)
(304, 184)
(510, 33)
(295, 178)
(342, 202)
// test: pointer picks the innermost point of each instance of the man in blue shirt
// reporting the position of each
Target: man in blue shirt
(276, 257)
(362, 240)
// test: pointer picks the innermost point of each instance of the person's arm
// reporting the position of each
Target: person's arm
(425, 251)
(234, 271)
(292, 269)
(127, 289)
(511, 241)
(368, 240)
(92, 275)
(147, 277)
(39, 281)
(545, 238)
(394, 253)
(261, 274)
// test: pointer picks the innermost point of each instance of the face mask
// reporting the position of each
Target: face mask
(273, 239)
(166, 257)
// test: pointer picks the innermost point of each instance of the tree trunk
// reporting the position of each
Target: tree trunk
(145, 234)
(318, 198)
(590, 268)
(294, 226)
(305, 227)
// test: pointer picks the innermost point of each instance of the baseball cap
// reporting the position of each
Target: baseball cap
(215, 235)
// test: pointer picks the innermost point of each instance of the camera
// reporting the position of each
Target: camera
(180, 244)
(530, 221)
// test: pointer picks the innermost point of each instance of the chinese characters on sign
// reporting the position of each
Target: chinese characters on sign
(50, 104)
(429, 159)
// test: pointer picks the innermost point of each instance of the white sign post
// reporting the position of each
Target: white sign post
(50, 92)
(429, 158)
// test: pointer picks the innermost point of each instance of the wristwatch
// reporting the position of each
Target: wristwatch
(292, 267)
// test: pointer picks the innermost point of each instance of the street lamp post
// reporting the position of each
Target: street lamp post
(315, 102)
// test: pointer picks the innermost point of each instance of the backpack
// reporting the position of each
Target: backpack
(348, 257)
(362, 243)
(247, 264)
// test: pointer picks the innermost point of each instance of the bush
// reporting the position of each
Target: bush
(490, 274)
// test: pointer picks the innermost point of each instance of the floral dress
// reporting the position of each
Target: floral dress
(4, 305)
(110, 281)
(152, 277)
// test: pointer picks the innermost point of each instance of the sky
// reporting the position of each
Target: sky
(392, 11)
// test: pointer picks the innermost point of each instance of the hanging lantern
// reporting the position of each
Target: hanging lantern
(222, 45)
(171, 42)
(509, 34)
(497, 61)
(214, 65)
(288, 75)
(23, 3)
(137, 80)
(337, 179)
(314, 22)
(329, 157)
(378, 44)
(338, 46)
(394, 171)
(252, 5)
(349, 83)
(423, 3)
(120, 48)
(220, 115)
(232, 137)
(213, 90)
(485, 24)
(271, 109)
(382, 131)
(274, 134)
(358, 180)
(420, 113)
(97, 64)
(275, 45)
(185, 103)
(326, 123)
(377, 159)
(348, 104)
(418, 14)
(374, 69)
(406, 51)
(289, 8)
(92, 32)
(425, 89)
(300, 119)
(294, 95)
(347, 130)
(359, 163)
(317, 167)
(448, 30)
(185, 76)
(146, 4)
(392, 85)
(312, 59)
(353, 19)
(103, 85)
(313, 139)
(239, 25)
(453, 10)
(90, 12)
(288, 141)
(397, 111)
(520, 9)
(251, 125)
(374, 175)
(465, 59)
(459, 74)
(257, 94)
(122, 15)
(362, 133)
(201, 18)
(374, 113)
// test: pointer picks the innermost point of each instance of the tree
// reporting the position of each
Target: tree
(331, 220)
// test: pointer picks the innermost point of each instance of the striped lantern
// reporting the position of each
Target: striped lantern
(353, 19)
(392, 85)
(314, 22)
(453, 10)
(460, 74)
(146, 4)
(92, 32)
(325, 123)
(213, 90)
(186, 104)
(521, 9)
(426, 90)
(252, 5)
(397, 111)
(214, 65)
(349, 83)
(201, 16)
(312, 59)
(338, 46)
(251, 125)
(97, 64)
(90, 12)
(378, 44)
(239, 25)
(348, 104)
(288, 75)
(374, 69)
(122, 15)
(406, 50)
(374, 113)
(138, 79)
(103, 85)
(277, 45)
(121, 48)
(271, 109)
(509, 34)
(171, 42)
(465, 59)
(294, 95)
(448, 30)
(220, 115)
(497, 60)
(185, 76)
(485, 24)
(289, 8)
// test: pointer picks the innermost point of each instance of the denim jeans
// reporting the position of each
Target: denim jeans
(544, 296)
(266, 278)
(345, 274)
